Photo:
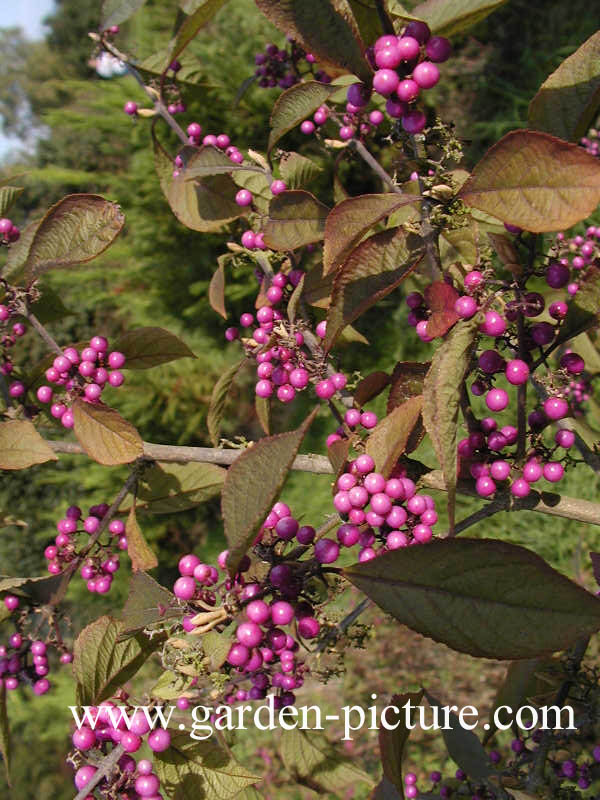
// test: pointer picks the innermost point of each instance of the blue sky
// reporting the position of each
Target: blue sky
(26, 14)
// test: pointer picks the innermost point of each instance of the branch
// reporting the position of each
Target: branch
(42, 331)
(157, 102)
(362, 151)
(105, 770)
(542, 502)
(428, 232)
(344, 624)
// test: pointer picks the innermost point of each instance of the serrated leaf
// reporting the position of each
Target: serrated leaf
(447, 17)
(407, 381)
(167, 487)
(519, 683)
(141, 554)
(393, 742)
(114, 12)
(350, 220)
(391, 436)
(296, 218)
(204, 12)
(190, 769)
(8, 197)
(459, 244)
(21, 446)
(463, 746)
(440, 298)
(568, 100)
(325, 28)
(205, 204)
(216, 289)
(263, 412)
(5, 748)
(218, 398)
(371, 386)
(75, 230)
(484, 597)
(105, 435)
(441, 400)
(101, 664)
(43, 590)
(147, 603)
(295, 105)
(253, 483)
(297, 171)
(535, 181)
(144, 348)
(373, 269)
(315, 759)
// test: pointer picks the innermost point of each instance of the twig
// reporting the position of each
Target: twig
(428, 232)
(542, 502)
(362, 151)
(42, 331)
(105, 769)
(157, 102)
(343, 626)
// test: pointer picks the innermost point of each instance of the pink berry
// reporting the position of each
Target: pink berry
(277, 187)
(307, 127)
(493, 325)
(564, 438)
(159, 740)
(243, 197)
(426, 74)
(407, 90)
(556, 408)
(553, 471)
(130, 108)
(517, 372)
(465, 307)
(438, 49)
(485, 486)
(496, 399)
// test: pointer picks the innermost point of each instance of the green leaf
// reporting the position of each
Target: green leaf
(295, 297)
(583, 309)
(535, 181)
(253, 483)
(325, 28)
(75, 230)
(370, 23)
(203, 14)
(391, 437)
(350, 220)
(295, 105)
(447, 17)
(21, 446)
(297, 171)
(50, 307)
(459, 244)
(568, 100)
(167, 487)
(216, 288)
(148, 347)
(463, 746)
(207, 160)
(392, 743)
(484, 597)
(147, 603)
(373, 269)
(141, 554)
(262, 406)
(8, 197)
(189, 770)
(441, 400)
(18, 252)
(171, 685)
(114, 12)
(105, 435)
(206, 204)
(43, 590)
(407, 381)
(255, 180)
(519, 683)
(296, 218)
(217, 400)
(216, 647)
(101, 664)
(5, 748)
(370, 387)
(315, 761)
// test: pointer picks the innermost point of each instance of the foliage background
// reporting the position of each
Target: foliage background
(157, 273)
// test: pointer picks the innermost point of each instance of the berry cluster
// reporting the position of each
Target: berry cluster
(591, 142)
(222, 142)
(9, 232)
(264, 654)
(82, 374)
(106, 724)
(10, 332)
(517, 334)
(275, 67)
(25, 661)
(285, 364)
(102, 561)
(378, 510)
